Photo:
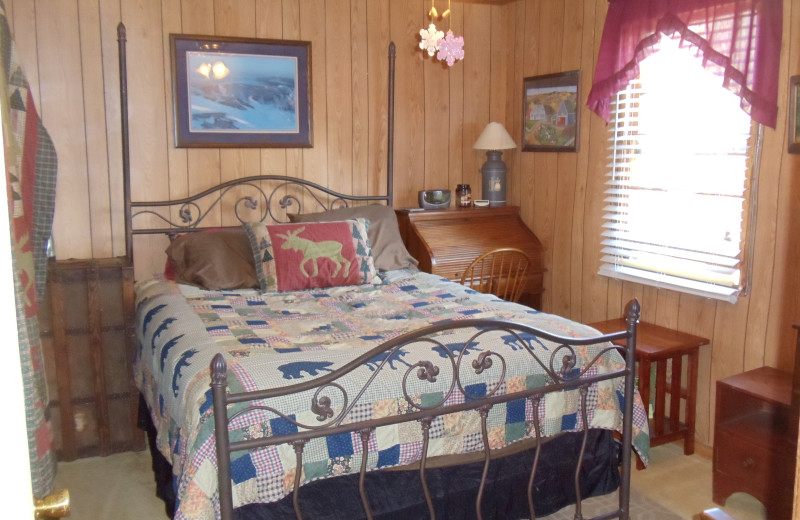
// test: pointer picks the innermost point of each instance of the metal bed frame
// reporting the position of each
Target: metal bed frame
(271, 196)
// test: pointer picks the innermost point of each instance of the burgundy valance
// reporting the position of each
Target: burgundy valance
(737, 39)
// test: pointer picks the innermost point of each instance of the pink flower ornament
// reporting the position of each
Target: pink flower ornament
(451, 49)
(431, 39)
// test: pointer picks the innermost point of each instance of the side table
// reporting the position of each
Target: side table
(755, 440)
(656, 344)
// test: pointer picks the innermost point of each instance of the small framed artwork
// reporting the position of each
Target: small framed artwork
(241, 92)
(551, 115)
(794, 114)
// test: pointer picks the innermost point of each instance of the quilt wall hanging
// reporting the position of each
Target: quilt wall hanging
(31, 178)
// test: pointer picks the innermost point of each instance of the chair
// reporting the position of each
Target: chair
(500, 272)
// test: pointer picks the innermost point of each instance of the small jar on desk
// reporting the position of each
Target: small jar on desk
(463, 196)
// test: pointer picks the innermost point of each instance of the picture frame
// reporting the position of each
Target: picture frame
(241, 92)
(794, 114)
(551, 112)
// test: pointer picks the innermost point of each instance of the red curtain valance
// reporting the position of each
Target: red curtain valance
(737, 39)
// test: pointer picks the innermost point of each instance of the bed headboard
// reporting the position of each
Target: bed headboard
(256, 198)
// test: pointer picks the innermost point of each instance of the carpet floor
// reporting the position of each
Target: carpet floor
(674, 487)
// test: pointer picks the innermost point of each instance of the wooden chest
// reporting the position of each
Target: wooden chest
(87, 329)
(446, 241)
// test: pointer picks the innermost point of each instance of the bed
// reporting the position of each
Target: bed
(262, 397)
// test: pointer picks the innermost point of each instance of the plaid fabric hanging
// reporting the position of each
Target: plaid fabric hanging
(31, 177)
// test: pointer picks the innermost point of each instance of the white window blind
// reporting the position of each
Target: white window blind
(675, 211)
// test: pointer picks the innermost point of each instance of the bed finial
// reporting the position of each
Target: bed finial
(632, 311)
(219, 371)
(121, 35)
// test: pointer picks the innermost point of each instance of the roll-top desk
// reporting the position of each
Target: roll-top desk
(446, 241)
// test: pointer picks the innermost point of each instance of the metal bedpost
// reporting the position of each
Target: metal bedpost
(126, 156)
(219, 383)
(631, 319)
(390, 146)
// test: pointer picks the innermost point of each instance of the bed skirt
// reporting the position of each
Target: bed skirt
(398, 494)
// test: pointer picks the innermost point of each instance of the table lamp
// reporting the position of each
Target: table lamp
(494, 139)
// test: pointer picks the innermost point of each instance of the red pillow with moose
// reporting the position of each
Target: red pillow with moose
(293, 257)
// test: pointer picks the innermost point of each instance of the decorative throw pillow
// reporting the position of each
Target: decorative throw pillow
(383, 231)
(215, 259)
(293, 257)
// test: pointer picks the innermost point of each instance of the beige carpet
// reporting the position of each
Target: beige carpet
(121, 487)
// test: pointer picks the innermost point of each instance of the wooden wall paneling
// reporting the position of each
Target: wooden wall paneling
(312, 28)
(269, 24)
(502, 46)
(615, 301)
(550, 40)
(378, 38)
(727, 354)
(588, 54)
(455, 129)
(177, 158)
(696, 316)
(477, 91)
(237, 18)
(514, 101)
(63, 111)
(530, 64)
(409, 162)
(339, 93)
(760, 286)
(436, 76)
(784, 304)
(198, 17)
(668, 305)
(95, 118)
(359, 71)
(149, 163)
(567, 164)
(594, 287)
(291, 31)
(21, 15)
(110, 17)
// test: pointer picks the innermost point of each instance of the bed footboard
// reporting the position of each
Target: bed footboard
(332, 403)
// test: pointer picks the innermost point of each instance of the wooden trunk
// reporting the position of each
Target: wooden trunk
(87, 329)
(445, 242)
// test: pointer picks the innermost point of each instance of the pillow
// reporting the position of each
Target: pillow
(213, 259)
(383, 231)
(293, 257)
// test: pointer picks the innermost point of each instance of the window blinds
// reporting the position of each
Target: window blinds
(676, 193)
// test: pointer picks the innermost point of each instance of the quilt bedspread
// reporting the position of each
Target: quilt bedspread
(277, 339)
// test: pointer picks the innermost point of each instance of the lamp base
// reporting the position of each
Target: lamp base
(494, 178)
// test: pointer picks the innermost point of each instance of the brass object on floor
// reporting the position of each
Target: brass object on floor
(54, 505)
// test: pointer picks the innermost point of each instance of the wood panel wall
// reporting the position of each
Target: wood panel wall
(69, 50)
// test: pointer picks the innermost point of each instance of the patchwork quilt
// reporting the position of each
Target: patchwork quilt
(277, 339)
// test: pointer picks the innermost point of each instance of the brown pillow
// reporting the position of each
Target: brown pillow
(214, 259)
(383, 232)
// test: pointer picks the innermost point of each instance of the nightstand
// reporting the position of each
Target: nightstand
(655, 345)
(754, 440)
(446, 241)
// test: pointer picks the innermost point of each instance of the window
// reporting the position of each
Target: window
(682, 150)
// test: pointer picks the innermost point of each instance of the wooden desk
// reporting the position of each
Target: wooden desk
(446, 241)
(655, 344)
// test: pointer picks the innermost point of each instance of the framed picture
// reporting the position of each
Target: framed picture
(241, 92)
(551, 115)
(794, 114)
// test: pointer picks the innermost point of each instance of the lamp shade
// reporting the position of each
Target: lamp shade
(494, 137)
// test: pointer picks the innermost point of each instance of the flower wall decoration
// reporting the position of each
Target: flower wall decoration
(449, 48)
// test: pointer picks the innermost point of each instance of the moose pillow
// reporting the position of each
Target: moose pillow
(293, 257)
